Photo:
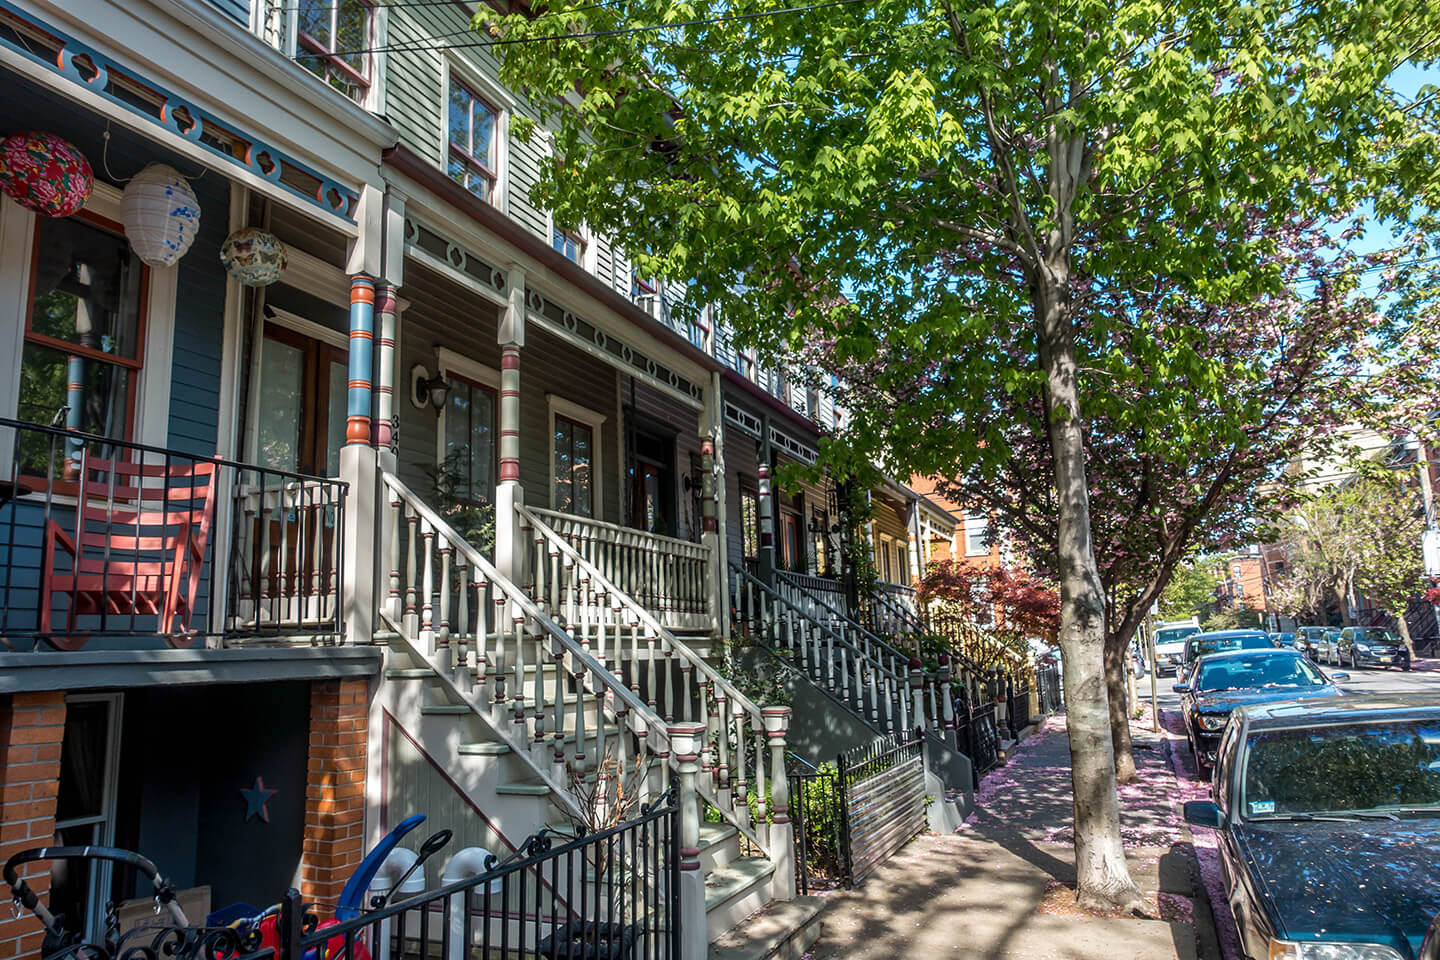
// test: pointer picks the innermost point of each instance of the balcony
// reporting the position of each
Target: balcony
(118, 545)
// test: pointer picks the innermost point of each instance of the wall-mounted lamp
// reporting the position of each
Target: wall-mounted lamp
(425, 389)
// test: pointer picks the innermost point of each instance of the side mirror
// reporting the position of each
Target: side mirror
(1204, 813)
(1181, 688)
(1339, 677)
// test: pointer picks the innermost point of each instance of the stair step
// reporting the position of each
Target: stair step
(446, 709)
(716, 833)
(782, 930)
(386, 636)
(486, 749)
(730, 881)
(409, 673)
(523, 789)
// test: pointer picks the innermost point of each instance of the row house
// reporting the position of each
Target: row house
(340, 482)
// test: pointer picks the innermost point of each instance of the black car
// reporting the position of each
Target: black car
(1328, 814)
(1223, 681)
(1198, 645)
(1370, 646)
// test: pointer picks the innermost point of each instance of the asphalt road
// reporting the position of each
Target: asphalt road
(1424, 679)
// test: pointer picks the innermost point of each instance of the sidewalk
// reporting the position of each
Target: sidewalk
(1000, 886)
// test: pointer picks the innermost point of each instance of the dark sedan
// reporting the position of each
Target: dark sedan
(1371, 646)
(1328, 814)
(1198, 645)
(1224, 681)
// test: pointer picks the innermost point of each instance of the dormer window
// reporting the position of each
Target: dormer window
(333, 38)
(473, 127)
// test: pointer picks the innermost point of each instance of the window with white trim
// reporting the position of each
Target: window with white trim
(570, 243)
(473, 130)
(334, 41)
(977, 533)
(574, 458)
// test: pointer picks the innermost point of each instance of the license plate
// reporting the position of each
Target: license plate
(1386, 659)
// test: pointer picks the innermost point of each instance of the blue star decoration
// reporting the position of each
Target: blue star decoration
(257, 800)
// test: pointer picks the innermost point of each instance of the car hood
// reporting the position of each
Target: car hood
(1223, 701)
(1374, 880)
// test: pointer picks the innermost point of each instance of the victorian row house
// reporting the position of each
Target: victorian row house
(338, 482)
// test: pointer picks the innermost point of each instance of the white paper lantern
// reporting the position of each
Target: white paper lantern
(160, 214)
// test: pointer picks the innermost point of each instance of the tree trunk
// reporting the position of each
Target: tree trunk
(1117, 690)
(1102, 876)
(1404, 627)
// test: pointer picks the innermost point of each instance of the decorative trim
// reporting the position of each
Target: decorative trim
(309, 328)
(461, 264)
(593, 340)
(89, 70)
(448, 361)
(790, 445)
(747, 422)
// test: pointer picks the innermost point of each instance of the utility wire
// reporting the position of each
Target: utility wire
(587, 35)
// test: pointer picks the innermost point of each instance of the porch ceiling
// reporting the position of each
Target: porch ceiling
(109, 669)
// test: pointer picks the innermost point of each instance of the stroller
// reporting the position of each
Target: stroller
(58, 940)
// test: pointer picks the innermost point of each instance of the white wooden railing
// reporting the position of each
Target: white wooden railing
(674, 680)
(669, 577)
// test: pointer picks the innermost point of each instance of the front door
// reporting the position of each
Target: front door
(302, 403)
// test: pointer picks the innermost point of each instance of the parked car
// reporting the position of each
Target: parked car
(1202, 644)
(1370, 646)
(1284, 640)
(1236, 678)
(1170, 647)
(1308, 640)
(1325, 645)
(1328, 814)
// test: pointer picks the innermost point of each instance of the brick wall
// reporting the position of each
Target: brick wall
(32, 727)
(335, 789)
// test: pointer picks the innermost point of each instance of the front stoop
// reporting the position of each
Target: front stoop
(783, 931)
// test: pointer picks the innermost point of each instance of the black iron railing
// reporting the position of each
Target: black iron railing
(817, 813)
(107, 538)
(984, 740)
(883, 787)
(1047, 679)
(613, 894)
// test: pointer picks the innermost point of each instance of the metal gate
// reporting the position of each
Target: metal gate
(883, 785)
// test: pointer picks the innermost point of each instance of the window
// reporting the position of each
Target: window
(85, 810)
(820, 525)
(473, 133)
(83, 353)
(793, 542)
(977, 534)
(568, 243)
(469, 451)
(574, 485)
(334, 40)
(749, 520)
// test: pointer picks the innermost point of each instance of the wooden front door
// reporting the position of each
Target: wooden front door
(302, 400)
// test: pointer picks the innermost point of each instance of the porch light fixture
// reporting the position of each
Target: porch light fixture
(426, 389)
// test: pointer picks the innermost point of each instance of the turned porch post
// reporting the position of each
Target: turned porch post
(685, 752)
(509, 539)
(767, 518)
(782, 838)
(358, 469)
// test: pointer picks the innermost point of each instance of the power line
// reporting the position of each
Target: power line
(587, 35)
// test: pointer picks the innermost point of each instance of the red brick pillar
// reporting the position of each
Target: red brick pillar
(32, 728)
(335, 789)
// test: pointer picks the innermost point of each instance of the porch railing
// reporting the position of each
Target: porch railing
(666, 575)
(104, 538)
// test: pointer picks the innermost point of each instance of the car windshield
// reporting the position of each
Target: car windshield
(1381, 766)
(1375, 635)
(1174, 634)
(1200, 646)
(1258, 670)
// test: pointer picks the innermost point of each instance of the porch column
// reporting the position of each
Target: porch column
(709, 524)
(782, 837)
(357, 468)
(717, 472)
(767, 523)
(509, 539)
(386, 304)
(685, 748)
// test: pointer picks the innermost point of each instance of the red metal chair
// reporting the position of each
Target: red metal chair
(138, 547)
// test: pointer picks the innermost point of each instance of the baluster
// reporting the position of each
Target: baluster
(652, 685)
(669, 682)
(635, 658)
(722, 740)
(686, 668)
(539, 703)
(462, 583)
(740, 799)
(500, 619)
(517, 692)
(706, 716)
(443, 636)
(579, 732)
(481, 635)
(393, 602)
(762, 805)
(537, 579)
(427, 608)
(412, 619)
(557, 732)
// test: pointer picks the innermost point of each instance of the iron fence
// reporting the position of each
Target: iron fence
(613, 894)
(1017, 712)
(1047, 680)
(882, 784)
(107, 538)
(984, 741)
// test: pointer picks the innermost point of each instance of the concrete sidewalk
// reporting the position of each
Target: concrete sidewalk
(1000, 886)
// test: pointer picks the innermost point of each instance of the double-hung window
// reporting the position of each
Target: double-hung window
(574, 483)
(83, 353)
(977, 534)
(749, 520)
(569, 243)
(334, 43)
(473, 131)
(469, 442)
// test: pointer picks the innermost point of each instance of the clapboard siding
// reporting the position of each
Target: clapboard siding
(200, 327)
(740, 461)
(659, 410)
(237, 10)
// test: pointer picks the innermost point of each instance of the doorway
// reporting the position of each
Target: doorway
(300, 416)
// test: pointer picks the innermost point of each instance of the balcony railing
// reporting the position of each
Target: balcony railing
(665, 575)
(103, 538)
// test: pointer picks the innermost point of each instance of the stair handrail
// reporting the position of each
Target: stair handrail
(874, 638)
(921, 625)
(840, 638)
(635, 608)
(639, 710)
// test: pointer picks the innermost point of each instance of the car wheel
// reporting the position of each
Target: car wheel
(1354, 660)
(1405, 666)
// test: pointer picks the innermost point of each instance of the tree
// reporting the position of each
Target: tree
(940, 196)
(1190, 592)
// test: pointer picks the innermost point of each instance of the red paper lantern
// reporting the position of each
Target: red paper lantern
(44, 173)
